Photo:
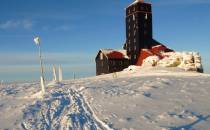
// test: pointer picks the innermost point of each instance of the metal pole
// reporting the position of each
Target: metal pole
(41, 63)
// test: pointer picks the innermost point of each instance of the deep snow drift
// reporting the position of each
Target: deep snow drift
(137, 98)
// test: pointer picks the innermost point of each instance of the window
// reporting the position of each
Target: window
(101, 56)
(129, 34)
(134, 17)
(134, 9)
(134, 40)
(134, 56)
(146, 16)
(134, 48)
(145, 25)
(134, 32)
(128, 20)
(121, 62)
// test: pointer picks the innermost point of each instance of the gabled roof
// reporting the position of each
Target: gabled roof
(115, 54)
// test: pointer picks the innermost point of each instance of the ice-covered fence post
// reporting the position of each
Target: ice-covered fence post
(2, 81)
(42, 85)
(60, 74)
(42, 80)
(74, 76)
(54, 73)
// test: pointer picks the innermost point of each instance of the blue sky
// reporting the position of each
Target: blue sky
(72, 31)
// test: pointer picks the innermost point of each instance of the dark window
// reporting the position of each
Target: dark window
(134, 48)
(145, 25)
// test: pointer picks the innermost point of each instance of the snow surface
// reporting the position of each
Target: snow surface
(139, 98)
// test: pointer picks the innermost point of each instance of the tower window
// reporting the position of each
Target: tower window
(134, 48)
(146, 16)
(129, 42)
(135, 32)
(137, 27)
(134, 9)
(134, 40)
(145, 25)
(134, 17)
(134, 56)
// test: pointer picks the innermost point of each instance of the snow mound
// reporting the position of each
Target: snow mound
(189, 61)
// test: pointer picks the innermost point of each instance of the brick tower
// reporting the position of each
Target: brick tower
(138, 29)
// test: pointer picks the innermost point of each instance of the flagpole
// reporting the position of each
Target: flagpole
(42, 81)
(41, 62)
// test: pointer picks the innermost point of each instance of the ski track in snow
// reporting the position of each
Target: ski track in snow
(63, 109)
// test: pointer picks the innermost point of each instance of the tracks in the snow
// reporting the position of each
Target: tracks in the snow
(63, 109)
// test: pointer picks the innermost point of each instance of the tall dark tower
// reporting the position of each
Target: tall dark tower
(138, 29)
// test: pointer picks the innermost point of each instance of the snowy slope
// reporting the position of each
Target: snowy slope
(140, 99)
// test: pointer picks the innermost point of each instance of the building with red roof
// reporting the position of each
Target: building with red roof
(139, 41)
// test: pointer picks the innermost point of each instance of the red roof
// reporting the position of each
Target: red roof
(155, 50)
(115, 54)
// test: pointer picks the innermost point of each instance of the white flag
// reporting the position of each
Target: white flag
(37, 40)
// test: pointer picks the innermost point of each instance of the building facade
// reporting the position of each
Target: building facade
(109, 61)
(138, 29)
(139, 42)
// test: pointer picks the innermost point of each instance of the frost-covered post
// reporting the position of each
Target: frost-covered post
(42, 80)
(74, 75)
(60, 74)
(54, 73)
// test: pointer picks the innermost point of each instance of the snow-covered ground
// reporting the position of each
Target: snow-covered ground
(135, 99)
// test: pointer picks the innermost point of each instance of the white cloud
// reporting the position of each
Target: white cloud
(16, 24)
